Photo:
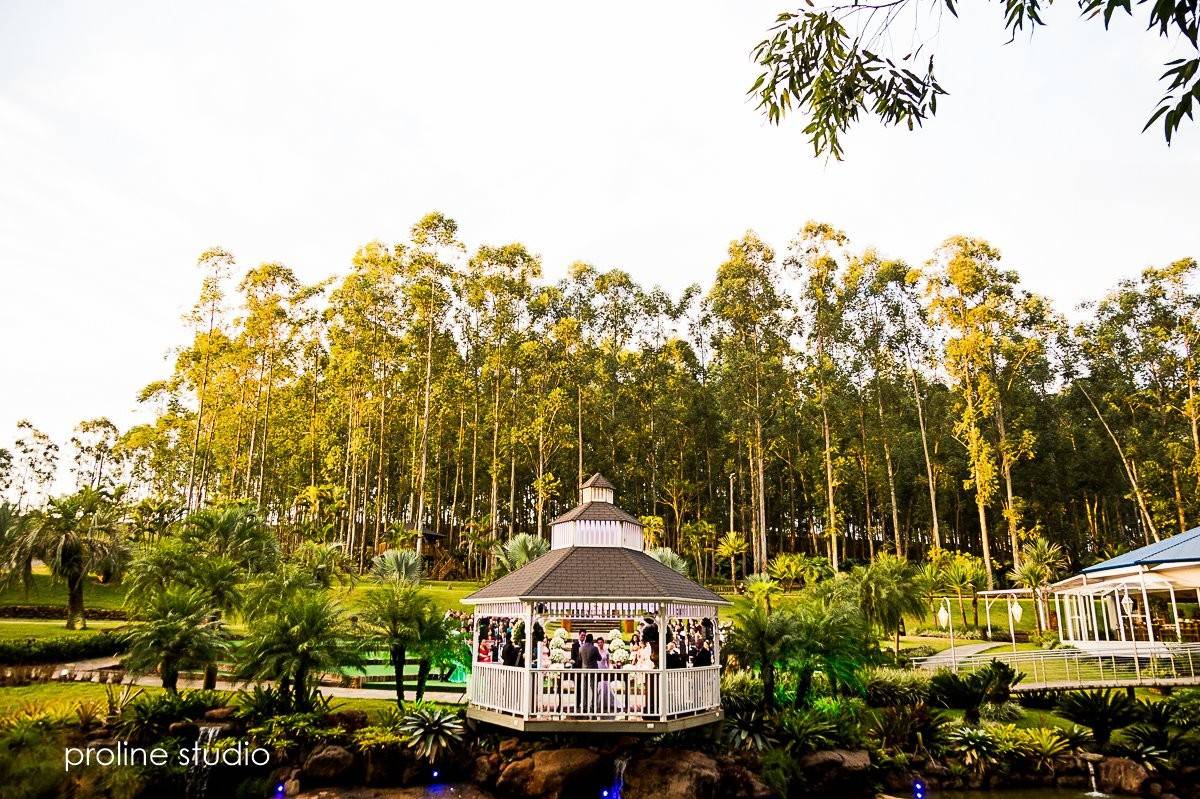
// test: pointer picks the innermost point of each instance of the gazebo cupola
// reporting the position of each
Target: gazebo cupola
(596, 521)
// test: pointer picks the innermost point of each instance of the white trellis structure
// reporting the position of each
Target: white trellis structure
(1146, 600)
(597, 579)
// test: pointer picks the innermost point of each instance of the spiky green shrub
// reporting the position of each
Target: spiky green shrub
(1103, 712)
(888, 687)
(431, 731)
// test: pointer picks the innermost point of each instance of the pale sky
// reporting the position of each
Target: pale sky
(133, 136)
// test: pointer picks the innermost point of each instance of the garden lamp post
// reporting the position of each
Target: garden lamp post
(1127, 605)
(946, 619)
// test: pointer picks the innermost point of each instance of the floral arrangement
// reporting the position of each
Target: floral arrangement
(618, 650)
(560, 648)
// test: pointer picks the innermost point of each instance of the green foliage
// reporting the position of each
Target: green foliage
(990, 684)
(147, 717)
(671, 559)
(296, 732)
(177, 630)
(833, 66)
(890, 687)
(397, 565)
(978, 748)
(1103, 712)
(432, 732)
(748, 728)
(517, 551)
(63, 649)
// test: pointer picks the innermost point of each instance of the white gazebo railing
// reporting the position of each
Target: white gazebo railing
(599, 694)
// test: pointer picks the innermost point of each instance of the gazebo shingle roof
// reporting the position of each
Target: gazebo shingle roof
(595, 573)
(598, 512)
(597, 481)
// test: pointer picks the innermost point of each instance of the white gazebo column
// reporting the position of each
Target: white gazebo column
(662, 661)
(530, 664)
(1091, 600)
(1063, 632)
(1175, 613)
(1146, 604)
(716, 636)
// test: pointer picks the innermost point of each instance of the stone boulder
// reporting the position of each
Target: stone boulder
(670, 773)
(328, 763)
(1121, 775)
(840, 772)
(454, 791)
(738, 782)
(554, 774)
(220, 714)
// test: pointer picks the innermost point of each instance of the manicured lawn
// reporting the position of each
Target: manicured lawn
(58, 698)
(47, 591)
(19, 629)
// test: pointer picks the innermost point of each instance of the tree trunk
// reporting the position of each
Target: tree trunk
(933, 511)
(210, 677)
(423, 666)
(170, 677)
(398, 658)
(75, 617)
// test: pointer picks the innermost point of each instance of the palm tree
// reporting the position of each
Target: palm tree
(327, 563)
(397, 565)
(177, 630)
(395, 618)
(887, 592)
(304, 636)
(77, 535)
(1041, 563)
(235, 531)
(732, 546)
(959, 577)
(517, 551)
(764, 641)
(930, 579)
(671, 559)
(762, 589)
(831, 637)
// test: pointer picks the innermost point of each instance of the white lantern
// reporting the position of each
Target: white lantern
(1127, 604)
(944, 616)
(1016, 611)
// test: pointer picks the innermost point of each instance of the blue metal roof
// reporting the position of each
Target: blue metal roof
(1181, 548)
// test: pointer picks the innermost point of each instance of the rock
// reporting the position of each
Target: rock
(327, 763)
(183, 729)
(486, 768)
(740, 783)
(1154, 789)
(554, 774)
(508, 747)
(841, 772)
(348, 720)
(221, 714)
(455, 791)
(671, 773)
(1072, 781)
(1121, 775)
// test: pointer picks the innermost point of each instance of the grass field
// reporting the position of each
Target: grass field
(61, 699)
(48, 591)
(20, 629)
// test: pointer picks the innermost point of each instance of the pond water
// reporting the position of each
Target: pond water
(1019, 793)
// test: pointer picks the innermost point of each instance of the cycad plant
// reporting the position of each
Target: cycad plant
(671, 559)
(764, 641)
(305, 635)
(518, 551)
(397, 566)
(762, 589)
(432, 732)
(1103, 712)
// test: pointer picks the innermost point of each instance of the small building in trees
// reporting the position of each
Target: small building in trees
(595, 635)
(1143, 601)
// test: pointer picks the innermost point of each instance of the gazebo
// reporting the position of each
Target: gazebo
(596, 582)
(1134, 600)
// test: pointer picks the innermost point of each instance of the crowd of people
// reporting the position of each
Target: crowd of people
(689, 643)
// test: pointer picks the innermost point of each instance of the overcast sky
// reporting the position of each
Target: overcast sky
(134, 136)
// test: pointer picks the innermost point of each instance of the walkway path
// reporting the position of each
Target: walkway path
(948, 656)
